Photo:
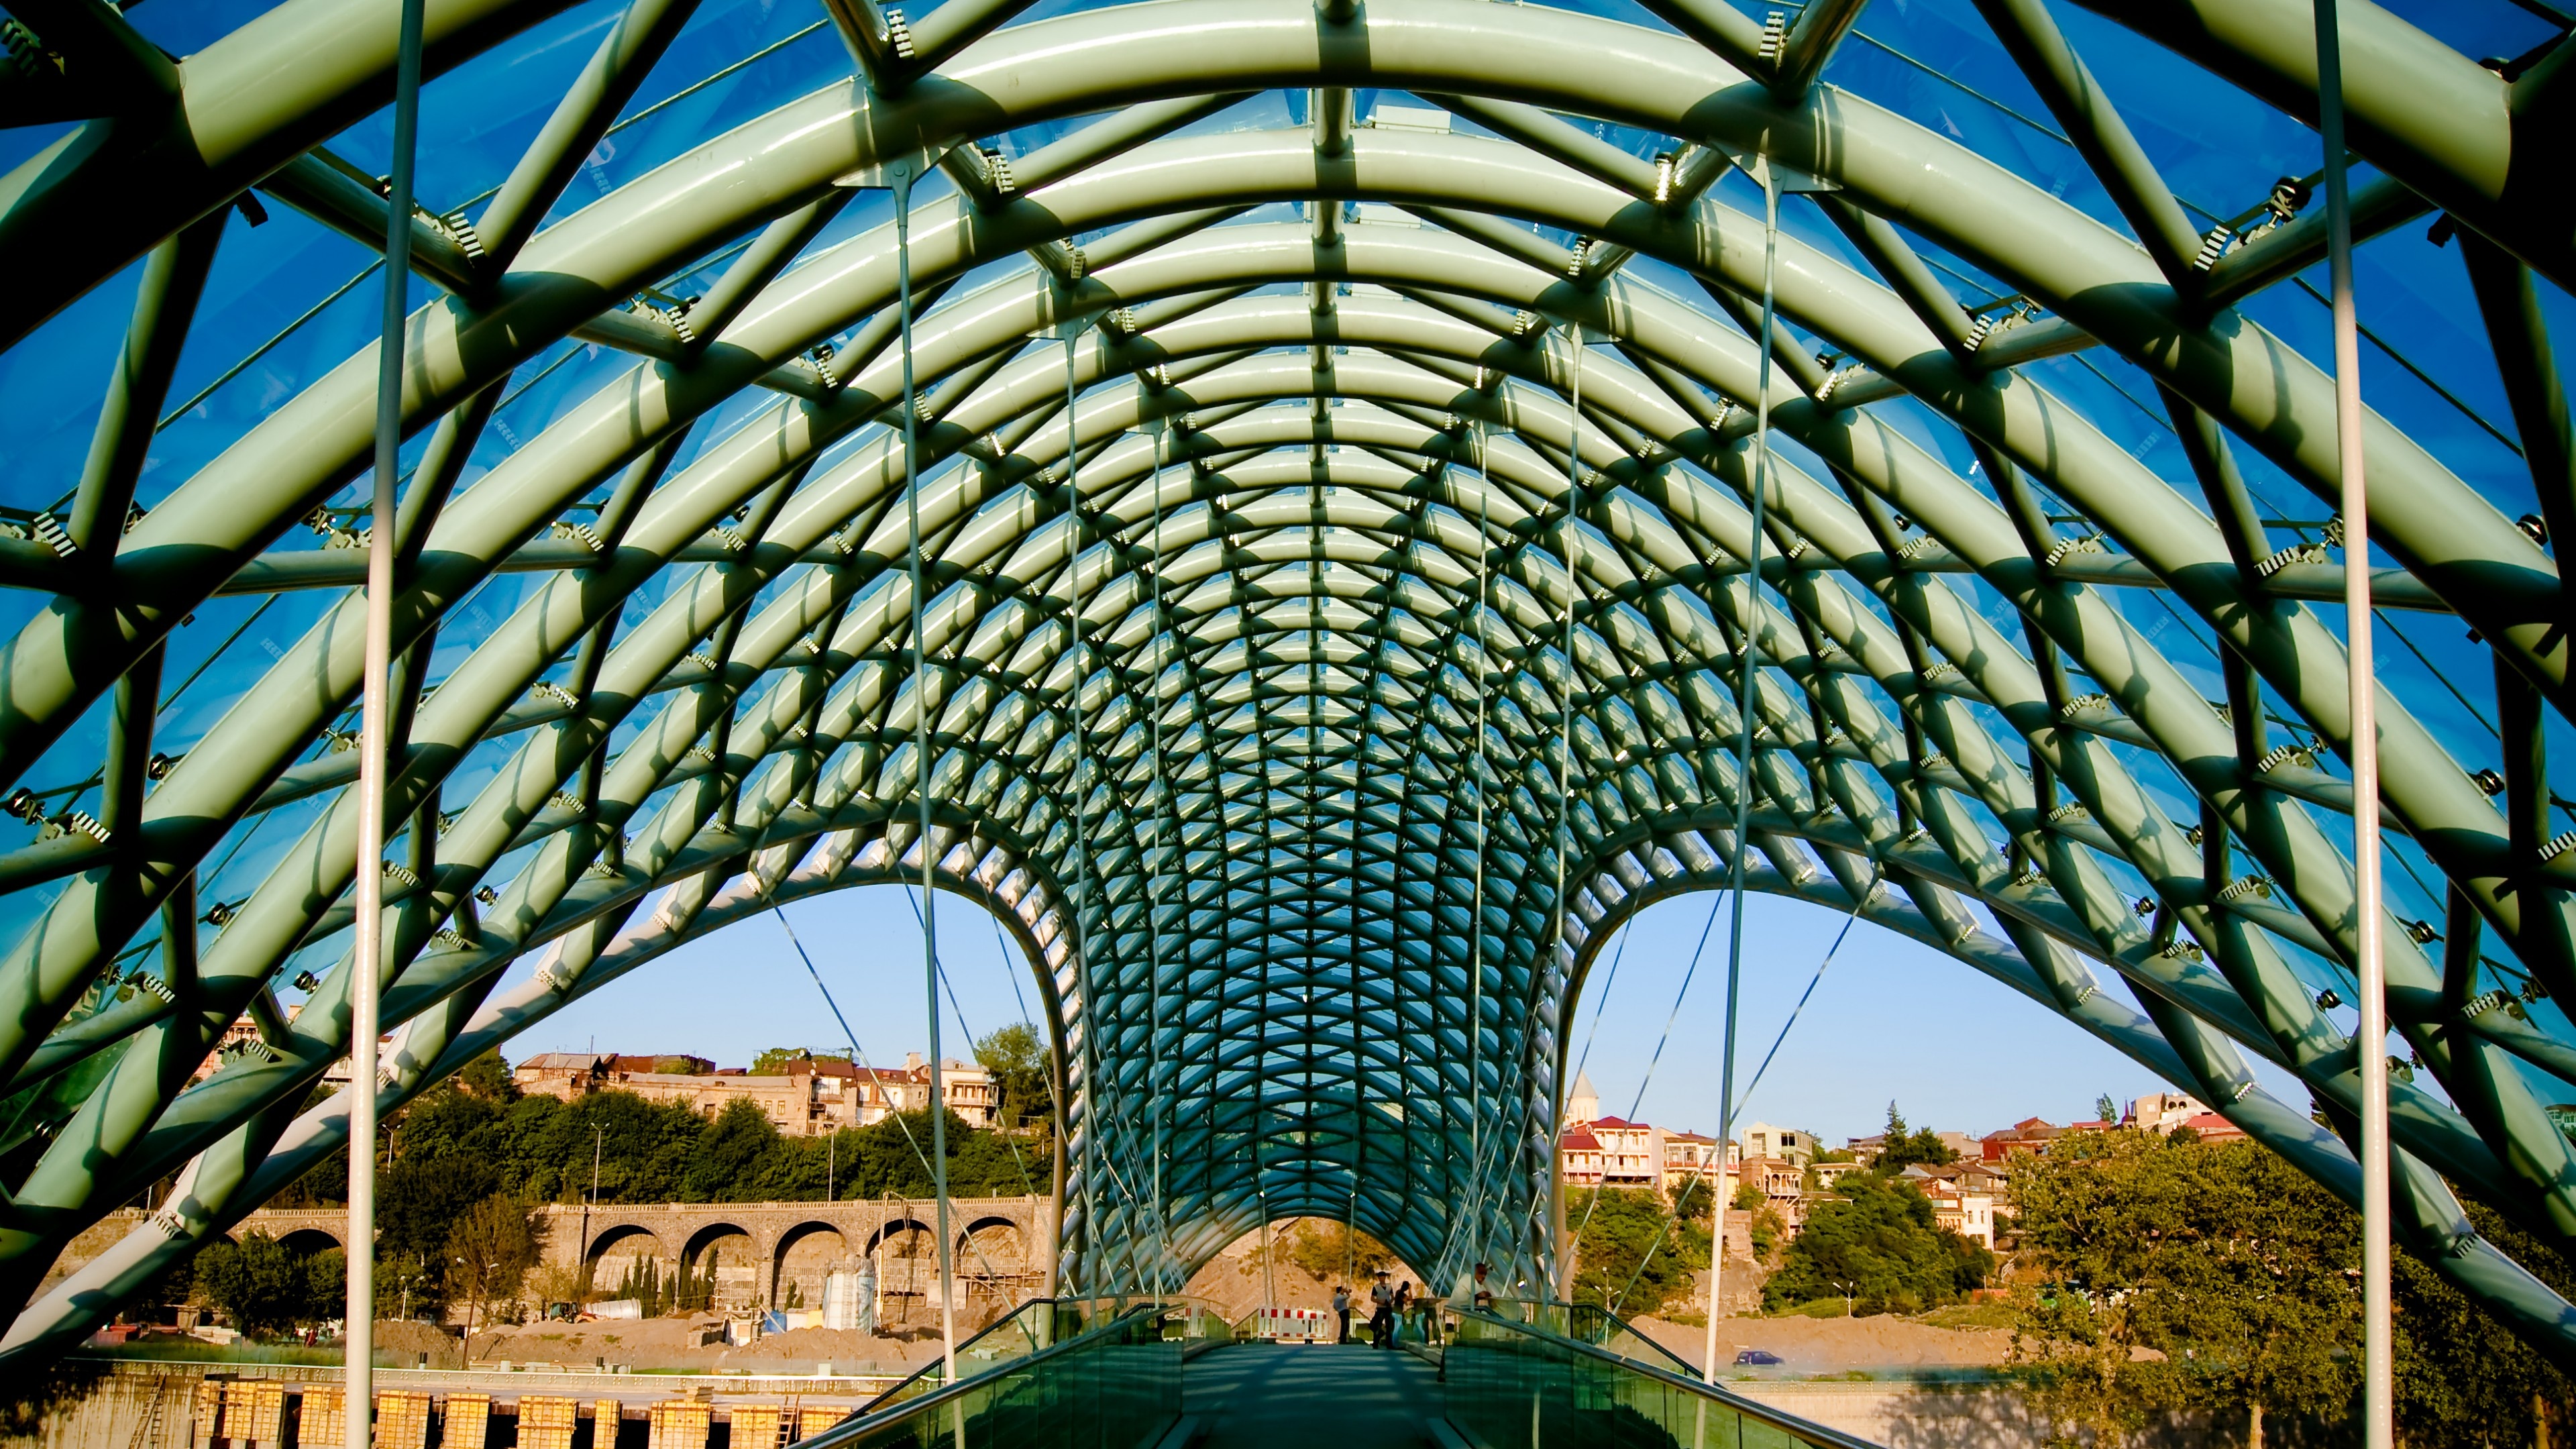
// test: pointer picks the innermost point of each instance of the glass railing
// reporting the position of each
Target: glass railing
(1593, 1324)
(1109, 1380)
(1036, 1325)
(1516, 1385)
(1195, 1320)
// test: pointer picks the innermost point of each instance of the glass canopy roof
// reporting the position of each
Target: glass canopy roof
(1364, 642)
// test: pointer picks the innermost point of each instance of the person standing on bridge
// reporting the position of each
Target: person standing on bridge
(1382, 1312)
(1342, 1311)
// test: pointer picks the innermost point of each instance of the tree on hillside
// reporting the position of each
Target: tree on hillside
(2462, 1377)
(265, 1289)
(2231, 1266)
(773, 1062)
(489, 1251)
(1903, 1147)
(418, 1203)
(1881, 1241)
(2105, 1108)
(1017, 1057)
(1329, 1253)
(2242, 1274)
(731, 1159)
(643, 1146)
(488, 1077)
(1630, 1257)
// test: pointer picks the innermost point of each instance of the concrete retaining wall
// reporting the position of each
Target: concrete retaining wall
(1911, 1416)
(102, 1404)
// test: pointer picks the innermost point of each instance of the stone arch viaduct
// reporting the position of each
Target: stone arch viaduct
(1002, 1244)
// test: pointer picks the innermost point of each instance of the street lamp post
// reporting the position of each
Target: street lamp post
(482, 1280)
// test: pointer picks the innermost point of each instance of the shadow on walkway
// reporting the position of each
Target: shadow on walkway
(1259, 1396)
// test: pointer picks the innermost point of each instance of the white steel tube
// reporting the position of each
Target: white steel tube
(2378, 1358)
(358, 1335)
(1558, 1247)
(1088, 1265)
(1476, 951)
(1747, 658)
(1155, 1094)
(921, 771)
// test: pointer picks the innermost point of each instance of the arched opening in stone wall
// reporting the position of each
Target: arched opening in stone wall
(723, 1271)
(906, 1252)
(807, 1254)
(305, 1242)
(997, 1268)
(622, 1258)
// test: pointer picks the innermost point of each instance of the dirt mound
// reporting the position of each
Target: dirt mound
(1239, 1281)
(678, 1343)
(1839, 1345)
(401, 1341)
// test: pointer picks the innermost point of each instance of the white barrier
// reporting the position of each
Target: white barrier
(1292, 1325)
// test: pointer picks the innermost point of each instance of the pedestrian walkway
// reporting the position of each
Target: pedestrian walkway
(1260, 1396)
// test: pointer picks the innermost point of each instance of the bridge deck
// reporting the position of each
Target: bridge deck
(1261, 1396)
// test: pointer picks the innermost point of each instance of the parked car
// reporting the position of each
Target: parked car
(1757, 1356)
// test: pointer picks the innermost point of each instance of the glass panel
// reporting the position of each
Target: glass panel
(1591, 1323)
(1111, 1379)
(1517, 1386)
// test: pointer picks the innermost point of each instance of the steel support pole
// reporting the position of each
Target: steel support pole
(1088, 1264)
(1746, 658)
(1154, 882)
(1476, 949)
(2378, 1359)
(1557, 1245)
(902, 179)
(374, 713)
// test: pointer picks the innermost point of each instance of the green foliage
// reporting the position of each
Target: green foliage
(1630, 1256)
(2106, 1108)
(1017, 1057)
(730, 1154)
(2461, 1376)
(454, 1147)
(2235, 1270)
(1763, 1232)
(473, 1139)
(1747, 1198)
(1904, 1147)
(418, 1201)
(265, 1289)
(1881, 1241)
(691, 1292)
(487, 1077)
(643, 1283)
(490, 1249)
(773, 1062)
(1328, 1252)
(2242, 1277)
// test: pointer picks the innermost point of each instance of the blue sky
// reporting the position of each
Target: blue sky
(1891, 1020)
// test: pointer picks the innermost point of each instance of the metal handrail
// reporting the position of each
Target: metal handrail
(870, 1418)
(1803, 1429)
(1680, 1364)
(1008, 1320)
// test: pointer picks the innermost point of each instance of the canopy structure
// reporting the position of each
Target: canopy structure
(1335, 426)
